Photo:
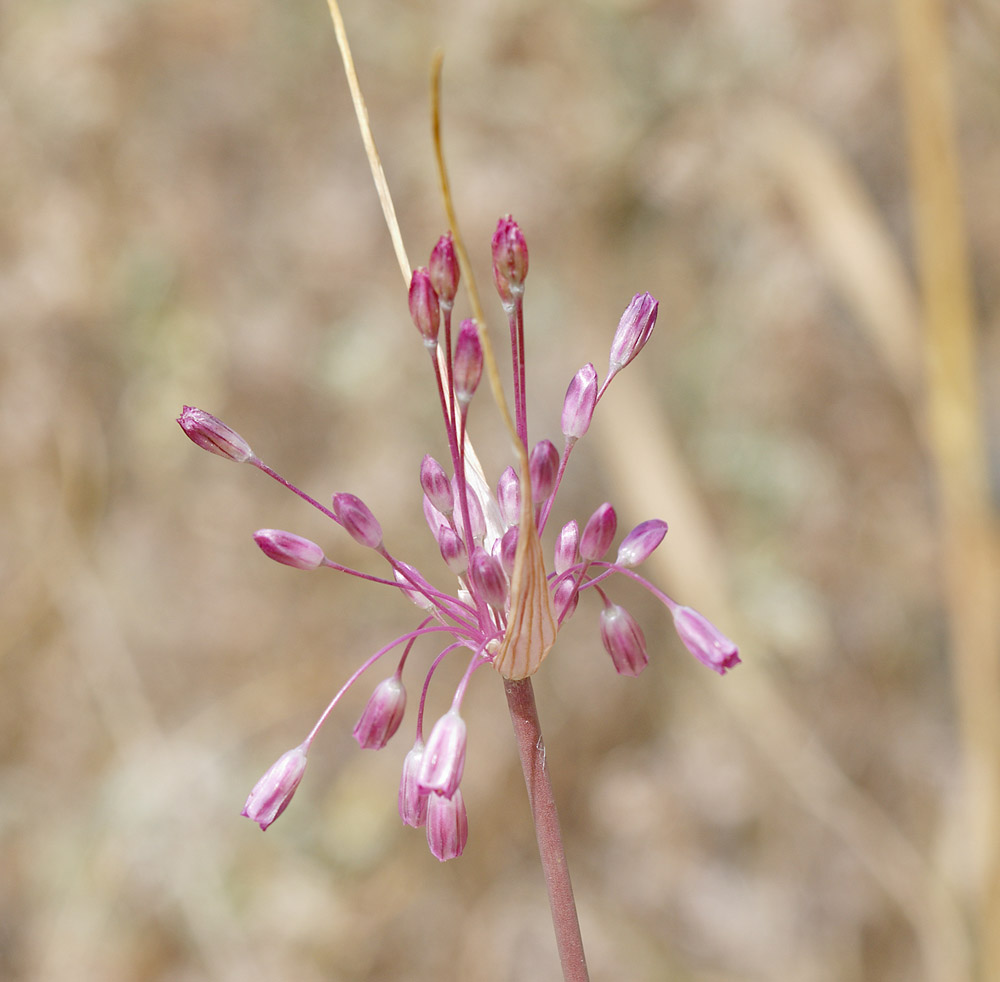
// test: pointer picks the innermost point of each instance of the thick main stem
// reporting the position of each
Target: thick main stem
(527, 729)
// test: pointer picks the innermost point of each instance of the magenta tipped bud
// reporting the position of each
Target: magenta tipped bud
(633, 331)
(289, 548)
(444, 756)
(639, 544)
(468, 362)
(211, 434)
(567, 550)
(508, 549)
(509, 497)
(444, 271)
(578, 406)
(543, 466)
(488, 578)
(412, 801)
(382, 714)
(447, 826)
(358, 520)
(623, 640)
(453, 550)
(510, 255)
(272, 793)
(565, 599)
(598, 533)
(424, 306)
(705, 641)
(436, 485)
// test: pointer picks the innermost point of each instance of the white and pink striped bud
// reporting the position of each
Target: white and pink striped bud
(444, 756)
(382, 714)
(468, 362)
(510, 255)
(447, 826)
(633, 331)
(357, 519)
(623, 640)
(444, 271)
(705, 641)
(598, 533)
(543, 466)
(476, 517)
(639, 544)
(567, 550)
(487, 578)
(288, 548)
(565, 599)
(508, 549)
(509, 497)
(424, 306)
(436, 485)
(414, 586)
(578, 406)
(211, 434)
(272, 793)
(453, 551)
(412, 800)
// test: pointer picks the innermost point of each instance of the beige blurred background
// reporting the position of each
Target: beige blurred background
(186, 217)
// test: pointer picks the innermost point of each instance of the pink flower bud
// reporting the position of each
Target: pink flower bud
(510, 253)
(509, 497)
(468, 367)
(288, 548)
(447, 826)
(637, 546)
(444, 756)
(410, 581)
(598, 533)
(578, 407)
(213, 435)
(436, 485)
(633, 331)
(543, 466)
(444, 270)
(487, 577)
(476, 517)
(502, 285)
(705, 641)
(271, 794)
(412, 801)
(382, 714)
(453, 550)
(623, 640)
(358, 520)
(567, 551)
(435, 520)
(424, 307)
(508, 549)
(565, 599)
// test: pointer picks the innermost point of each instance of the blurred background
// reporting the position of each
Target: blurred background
(186, 216)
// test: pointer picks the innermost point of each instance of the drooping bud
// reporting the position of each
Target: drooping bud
(453, 550)
(289, 548)
(272, 793)
(447, 826)
(444, 271)
(468, 362)
(382, 714)
(509, 497)
(578, 406)
(543, 466)
(410, 581)
(510, 254)
(488, 578)
(424, 306)
(705, 641)
(358, 520)
(633, 331)
(598, 533)
(623, 640)
(637, 546)
(436, 485)
(565, 599)
(508, 549)
(211, 434)
(444, 756)
(567, 550)
(412, 801)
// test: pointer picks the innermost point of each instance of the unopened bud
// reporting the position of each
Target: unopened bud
(382, 714)
(468, 362)
(705, 641)
(633, 331)
(358, 520)
(447, 826)
(412, 801)
(623, 640)
(289, 548)
(272, 793)
(543, 466)
(444, 271)
(508, 549)
(415, 586)
(637, 546)
(488, 578)
(444, 756)
(565, 599)
(510, 254)
(424, 306)
(509, 497)
(578, 406)
(453, 550)
(476, 517)
(211, 434)
(436, 485)
(598, 533)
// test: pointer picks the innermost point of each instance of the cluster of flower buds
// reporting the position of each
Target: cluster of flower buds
(489, 541)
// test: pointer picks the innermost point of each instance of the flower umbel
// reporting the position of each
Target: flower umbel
(505, 607)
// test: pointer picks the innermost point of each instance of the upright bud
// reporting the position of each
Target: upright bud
(436, 485)
(705, 641)
(509, 497)
(358, 520)
(444, 756)
(288, 548)
(382, 714)
(567, 551)
(598, 533)
(623, 640)
(565, 599)
(453, 550)
(476, 517)
(444, 272)
(510, 254)
(272, 793)
(637, 546)
(633, 331)
(468, 367)
(447, 826)
(578, 406)
(211, 434)
(508, 549)
(488, 578)
(424, 307)
(543, 466)
(412, 801)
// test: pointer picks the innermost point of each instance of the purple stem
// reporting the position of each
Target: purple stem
(531, 748)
